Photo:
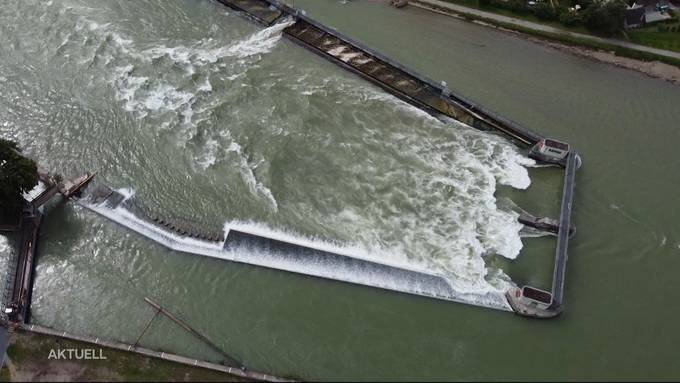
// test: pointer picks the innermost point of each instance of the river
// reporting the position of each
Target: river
(205, 115)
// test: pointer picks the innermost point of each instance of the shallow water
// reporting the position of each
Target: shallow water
(213, 119)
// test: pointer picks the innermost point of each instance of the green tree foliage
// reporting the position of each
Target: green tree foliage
(570, 19)
(545, 11)
(600, 16)
(605, 17)
(18, 174)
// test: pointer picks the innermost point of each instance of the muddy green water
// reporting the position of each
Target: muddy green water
(208, 116)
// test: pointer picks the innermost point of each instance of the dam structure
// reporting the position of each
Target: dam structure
(243, 244)
(441, 102)
(406, 84)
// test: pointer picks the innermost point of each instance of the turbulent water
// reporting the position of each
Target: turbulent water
(212, 118)
(209, 118)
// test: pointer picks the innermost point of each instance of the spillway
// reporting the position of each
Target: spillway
(241, 243)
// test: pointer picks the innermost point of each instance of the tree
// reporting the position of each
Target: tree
(18, 175)
(545, 11)
(570, 18)
(605, 17)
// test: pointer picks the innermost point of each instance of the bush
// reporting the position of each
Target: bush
(606, 18)
(519, 6)
(18, 174)
(484, 3)
(545, 11)
(512, 5)
(570, 19)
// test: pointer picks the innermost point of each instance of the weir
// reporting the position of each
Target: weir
(239, 244)
(244, 245)
(437, 99)
(15, 314)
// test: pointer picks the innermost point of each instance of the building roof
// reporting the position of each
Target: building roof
(635, 16)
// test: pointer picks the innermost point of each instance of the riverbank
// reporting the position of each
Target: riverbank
(29, 358)
(651, 64)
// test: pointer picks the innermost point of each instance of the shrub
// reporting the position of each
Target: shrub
(545, 11)
(512, 5)
(606, 18)
(18, 174)
(570, 19)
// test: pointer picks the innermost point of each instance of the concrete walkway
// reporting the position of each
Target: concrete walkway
(455, 8)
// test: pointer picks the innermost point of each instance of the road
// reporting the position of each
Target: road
(428, 4)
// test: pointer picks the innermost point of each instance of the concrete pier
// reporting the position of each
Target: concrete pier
(559, 274)
(529, 301)
(19, 282)
(21, 265)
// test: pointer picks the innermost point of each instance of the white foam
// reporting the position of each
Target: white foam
(152, 93)
(448, 219)
(203, 53)
(256, 187)
(209, 155)
(127, 193)
(493, 159)
(341, 271)
(206, 86)
(4, 245)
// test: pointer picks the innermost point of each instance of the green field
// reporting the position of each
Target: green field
(652, 37)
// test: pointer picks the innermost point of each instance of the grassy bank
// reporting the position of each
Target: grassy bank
(518, 15)
(564, 38)
(27, 360)
(652, 37)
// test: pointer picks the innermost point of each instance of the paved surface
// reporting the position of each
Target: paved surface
(541, 27)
